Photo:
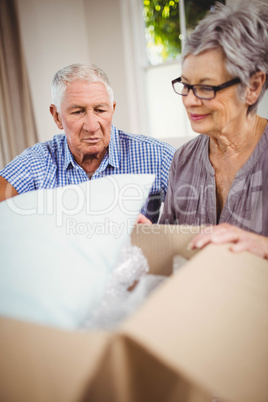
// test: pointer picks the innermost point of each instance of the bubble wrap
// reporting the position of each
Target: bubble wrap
(118, 302)
(178, 262)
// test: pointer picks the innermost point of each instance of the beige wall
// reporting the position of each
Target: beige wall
(112, 47)
(56, 33)
(105, 36)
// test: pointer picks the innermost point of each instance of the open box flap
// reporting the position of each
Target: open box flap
(160, 243)
(209, 323)
(203, 331)
(132, 374)
(44, 364)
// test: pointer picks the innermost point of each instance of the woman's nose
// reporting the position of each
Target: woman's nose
(191, 100)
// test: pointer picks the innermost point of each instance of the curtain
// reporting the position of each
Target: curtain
(17, 125)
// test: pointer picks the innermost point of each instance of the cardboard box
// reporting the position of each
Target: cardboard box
(203, 332)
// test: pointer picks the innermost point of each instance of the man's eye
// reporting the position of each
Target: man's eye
(77, 112)
(100, 110)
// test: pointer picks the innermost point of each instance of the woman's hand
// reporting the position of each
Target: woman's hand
(225, 233)
(142, 219)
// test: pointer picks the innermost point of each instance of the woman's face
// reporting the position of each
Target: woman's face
(225, 111)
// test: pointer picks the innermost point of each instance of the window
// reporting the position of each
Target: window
(166, 24)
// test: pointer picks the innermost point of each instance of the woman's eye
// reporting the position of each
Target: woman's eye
(206, 89)
(184, 88)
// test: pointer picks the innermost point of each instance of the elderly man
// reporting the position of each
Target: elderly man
(91, 146)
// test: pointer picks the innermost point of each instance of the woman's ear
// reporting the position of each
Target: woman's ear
(255, 86)
(56, 116)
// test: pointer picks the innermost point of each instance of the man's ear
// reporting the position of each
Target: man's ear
(56, 116)
(255, 86)
(114, 106)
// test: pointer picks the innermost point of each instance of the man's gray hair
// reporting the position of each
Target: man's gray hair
(84, 72)
(241, 31)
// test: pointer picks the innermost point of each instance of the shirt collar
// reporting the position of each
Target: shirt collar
(69, 159)
(113, 154)
(114, 150)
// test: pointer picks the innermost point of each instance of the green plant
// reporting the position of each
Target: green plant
(162, 25)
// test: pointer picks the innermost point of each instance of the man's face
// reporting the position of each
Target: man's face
(85, 115)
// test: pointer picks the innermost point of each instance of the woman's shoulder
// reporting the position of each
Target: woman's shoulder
(193, 148)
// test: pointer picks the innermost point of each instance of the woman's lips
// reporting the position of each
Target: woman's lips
(197, 117)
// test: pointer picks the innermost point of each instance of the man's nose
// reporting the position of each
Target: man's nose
(91, 122)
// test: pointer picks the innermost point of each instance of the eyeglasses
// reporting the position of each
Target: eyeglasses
(201, 91)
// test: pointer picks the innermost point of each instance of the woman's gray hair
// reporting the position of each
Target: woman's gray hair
(241, 31)
(85, 72)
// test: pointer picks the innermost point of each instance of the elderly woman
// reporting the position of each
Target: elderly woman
(220, 178)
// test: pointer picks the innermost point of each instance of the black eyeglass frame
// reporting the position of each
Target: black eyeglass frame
(216, 88)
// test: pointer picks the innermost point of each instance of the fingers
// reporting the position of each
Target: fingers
(253, 243)
(199, 242)
(225, 236)
(224, 233)
(142, 219)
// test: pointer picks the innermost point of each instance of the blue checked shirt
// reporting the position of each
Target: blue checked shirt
(51, 164)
